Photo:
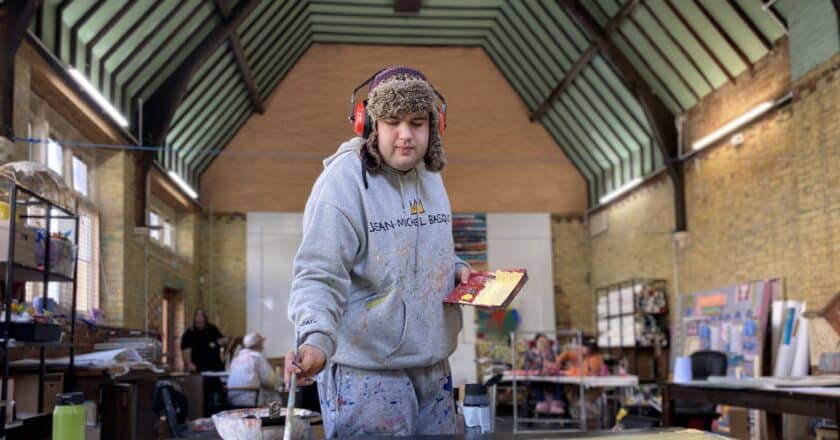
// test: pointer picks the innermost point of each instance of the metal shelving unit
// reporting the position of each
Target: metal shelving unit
(623, 319)
(568, 422)
(30, 207)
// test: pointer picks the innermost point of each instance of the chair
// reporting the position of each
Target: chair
(251, 404)
(704, 363)
(173, 405)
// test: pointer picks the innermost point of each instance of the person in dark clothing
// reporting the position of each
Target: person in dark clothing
(201, 345)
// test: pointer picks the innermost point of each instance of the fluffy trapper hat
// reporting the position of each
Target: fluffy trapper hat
(398, 91)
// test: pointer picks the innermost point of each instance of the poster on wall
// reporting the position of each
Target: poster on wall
(730, 319)
(469, 232)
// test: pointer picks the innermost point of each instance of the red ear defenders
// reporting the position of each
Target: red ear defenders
(363, 125)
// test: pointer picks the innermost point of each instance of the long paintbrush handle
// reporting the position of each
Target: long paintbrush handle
(290, 406)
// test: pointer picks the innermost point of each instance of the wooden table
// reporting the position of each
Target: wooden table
(815, 402)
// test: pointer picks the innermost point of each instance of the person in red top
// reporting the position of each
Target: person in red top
(591, 364)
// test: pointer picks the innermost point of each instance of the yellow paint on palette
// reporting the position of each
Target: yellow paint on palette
(497, 290)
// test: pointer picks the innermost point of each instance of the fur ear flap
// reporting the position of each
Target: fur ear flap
(435, 159)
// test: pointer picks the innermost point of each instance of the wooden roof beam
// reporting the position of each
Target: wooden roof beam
(625, 11)
(164, 101)
(15, 16)
(659, 117)
(242, 63)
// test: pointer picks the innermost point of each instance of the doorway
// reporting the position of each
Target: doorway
(172, 327)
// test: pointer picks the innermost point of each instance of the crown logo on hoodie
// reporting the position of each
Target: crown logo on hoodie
(417, 207)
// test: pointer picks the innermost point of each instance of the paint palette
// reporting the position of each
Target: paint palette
(494, 289)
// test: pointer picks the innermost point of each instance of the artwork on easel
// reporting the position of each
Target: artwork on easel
(731, 319)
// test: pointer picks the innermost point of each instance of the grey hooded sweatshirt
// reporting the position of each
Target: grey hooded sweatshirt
(374, 266)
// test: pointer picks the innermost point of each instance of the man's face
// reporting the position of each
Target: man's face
(403, 140)
(200, 321)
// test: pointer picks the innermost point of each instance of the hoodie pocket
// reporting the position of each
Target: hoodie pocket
(376, 324)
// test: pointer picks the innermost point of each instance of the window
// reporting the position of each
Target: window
(87, 272)
(154, 220)
(55, 157)
(168, 234)
(80, 176)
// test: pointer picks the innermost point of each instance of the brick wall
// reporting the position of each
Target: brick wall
(43, 101)
(223, 267)
(766, 208)
(498, 159)
(572, 256)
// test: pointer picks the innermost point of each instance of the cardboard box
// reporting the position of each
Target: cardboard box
(827, 434)
(26, 392)
(739, 423)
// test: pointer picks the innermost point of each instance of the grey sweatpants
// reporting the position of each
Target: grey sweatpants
(416, 401)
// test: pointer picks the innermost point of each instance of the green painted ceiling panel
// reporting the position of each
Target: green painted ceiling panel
(679, 91)
(281, 69)
(384, 33)
(284, 24)
(707, 31)
(264, 64)
(218, 125)
(343, 9)
(762, 19)
(227, 81)
(691, 45)
(126, 52)
(206, 77)
(737, 29)
(589, 133)
(673, 51)
(170, 60)
(213, 123)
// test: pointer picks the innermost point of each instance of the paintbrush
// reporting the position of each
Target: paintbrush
(291, 420)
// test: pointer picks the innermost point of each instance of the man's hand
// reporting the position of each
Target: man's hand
(310, 361)
(462, 275)
(191, 367)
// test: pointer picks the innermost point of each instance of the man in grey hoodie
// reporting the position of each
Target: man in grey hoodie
(376, 261)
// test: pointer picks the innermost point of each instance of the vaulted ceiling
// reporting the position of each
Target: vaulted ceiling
(201, 68)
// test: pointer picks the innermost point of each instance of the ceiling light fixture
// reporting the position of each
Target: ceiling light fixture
(91, 90)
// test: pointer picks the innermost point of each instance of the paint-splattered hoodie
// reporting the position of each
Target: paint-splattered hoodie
(374, 266)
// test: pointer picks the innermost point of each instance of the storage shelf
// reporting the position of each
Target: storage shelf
(14, 343)
(29, 273)
(19, 199)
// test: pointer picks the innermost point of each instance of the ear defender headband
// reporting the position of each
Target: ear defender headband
(361, 120)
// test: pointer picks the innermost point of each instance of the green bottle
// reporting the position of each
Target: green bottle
(69, 417)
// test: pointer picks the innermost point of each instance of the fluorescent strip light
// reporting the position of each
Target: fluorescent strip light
(91, 90)
(606, 198)
(184, 185)
(733, 125)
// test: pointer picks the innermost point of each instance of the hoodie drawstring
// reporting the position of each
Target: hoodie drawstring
(402, 196)
(417, 233)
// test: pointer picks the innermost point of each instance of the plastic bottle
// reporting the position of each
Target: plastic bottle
(477, 417)
(69, 417)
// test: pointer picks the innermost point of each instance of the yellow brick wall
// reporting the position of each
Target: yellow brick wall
(223, 267)
(572, 290)
(43, 101)
(764, 209)
(637, 243)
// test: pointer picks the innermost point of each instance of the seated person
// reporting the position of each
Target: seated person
(592, 363)
(541, 357)
(250, 368)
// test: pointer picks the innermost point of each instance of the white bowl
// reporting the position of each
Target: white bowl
(237, 425)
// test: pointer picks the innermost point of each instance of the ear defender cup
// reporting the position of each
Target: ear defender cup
(361, 120)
